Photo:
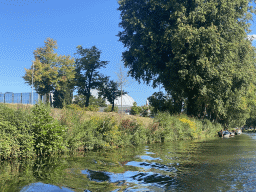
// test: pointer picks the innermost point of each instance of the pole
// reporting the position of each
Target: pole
(121, 100)
(32, 83)
(148, 107)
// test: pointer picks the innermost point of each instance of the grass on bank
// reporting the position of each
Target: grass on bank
(27, 131)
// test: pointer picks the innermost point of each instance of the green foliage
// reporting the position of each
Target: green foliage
(180, 127)
(81, 101)
(62, 98)
(74, 107)
(50, 70)
(135, 110)
(99, 102)
(111, 92)
(40, 134)
(109, 109)
(78, 108)
(48, 134)
(146, 111)
(92, 108)
(155, 133)
(195, 56)
(16, 138)
(87, 76)
(132, 132)
(162, 103)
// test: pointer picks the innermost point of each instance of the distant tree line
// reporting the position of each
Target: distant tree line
(62, 74)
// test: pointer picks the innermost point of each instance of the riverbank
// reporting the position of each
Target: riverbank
(40, 130)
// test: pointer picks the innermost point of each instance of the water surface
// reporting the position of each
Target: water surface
(207, 165)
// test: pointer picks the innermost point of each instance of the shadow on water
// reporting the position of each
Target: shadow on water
(209, 165)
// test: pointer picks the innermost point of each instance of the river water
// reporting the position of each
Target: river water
(204, 165)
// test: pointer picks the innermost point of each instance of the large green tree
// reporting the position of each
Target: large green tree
(51, 71)
(87, 75)
(63, 93)
(197, 49)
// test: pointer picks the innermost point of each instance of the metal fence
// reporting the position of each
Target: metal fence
(24, 98)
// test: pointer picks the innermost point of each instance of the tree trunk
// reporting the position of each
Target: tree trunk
(113, 105)
(87, 99)
(177, 105)
(190, 106)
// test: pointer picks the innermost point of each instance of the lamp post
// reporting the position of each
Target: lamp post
(148, 107)
(32, 84)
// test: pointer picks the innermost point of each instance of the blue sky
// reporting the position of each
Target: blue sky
(25, 25)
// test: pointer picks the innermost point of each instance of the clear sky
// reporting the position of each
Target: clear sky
(25, 25)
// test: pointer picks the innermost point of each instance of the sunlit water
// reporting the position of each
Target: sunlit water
(210, 165)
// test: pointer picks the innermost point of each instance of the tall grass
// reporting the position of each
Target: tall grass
(41, 130)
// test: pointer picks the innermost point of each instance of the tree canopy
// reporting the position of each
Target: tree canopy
(198, 50)
(110, 91)
(51, 71)
(87, 75)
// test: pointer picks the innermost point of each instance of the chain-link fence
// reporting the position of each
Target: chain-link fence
(24, 98)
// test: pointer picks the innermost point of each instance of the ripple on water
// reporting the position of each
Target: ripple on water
(145, 179)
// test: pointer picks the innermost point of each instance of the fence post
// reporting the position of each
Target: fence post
(21, 98)
(4, 97)
(12, 97)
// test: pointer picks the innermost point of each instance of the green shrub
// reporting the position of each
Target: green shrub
(74, 107)
(181, 127)
(109, 109)
(15, 131)
(155, 133)
(92, 108)
(133, 133)
(48, 134)
(78, 108)
(81, 101)
(135, 110)
(146, 111)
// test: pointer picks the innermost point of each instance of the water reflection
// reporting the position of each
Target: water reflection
(206, 165)
(136, 177)
(41, 187)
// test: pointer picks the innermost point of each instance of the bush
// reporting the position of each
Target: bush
(181, 127)
(78, 108)
(155, 133)
(74, 107)
(48, 134)
(16, 137)
(146, 111)
(81, 100)
(99, 133)
(109, 109)
(92, 108)
(133, 133)
(135, 110)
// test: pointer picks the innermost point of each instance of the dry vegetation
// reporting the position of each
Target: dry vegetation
(85, 115)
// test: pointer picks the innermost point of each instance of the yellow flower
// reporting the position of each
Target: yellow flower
(191, 124)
